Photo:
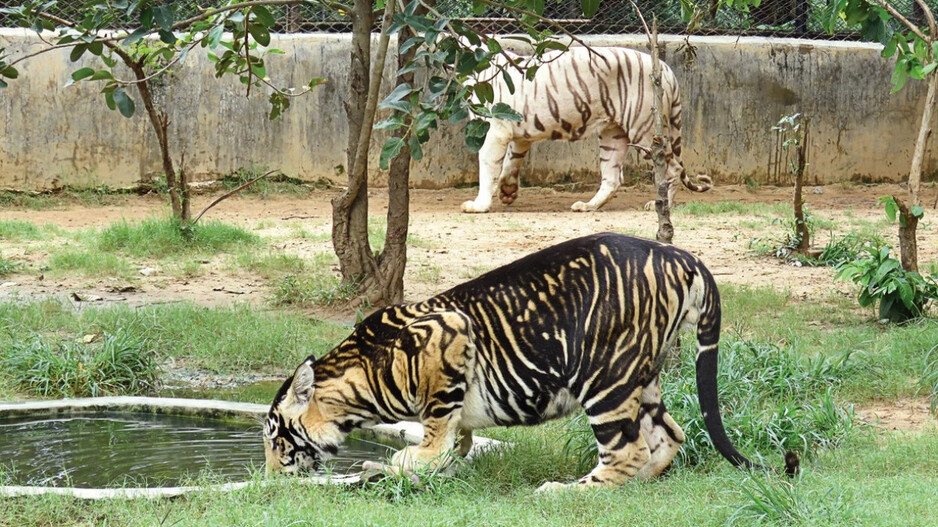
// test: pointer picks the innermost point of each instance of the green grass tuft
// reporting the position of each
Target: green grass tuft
(8, 266)
(120, 364)
(778, 502)
(90, 262)
(161, 238)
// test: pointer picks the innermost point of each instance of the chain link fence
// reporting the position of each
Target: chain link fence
(788, 18)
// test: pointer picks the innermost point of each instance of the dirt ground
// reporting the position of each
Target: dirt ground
(448, 247)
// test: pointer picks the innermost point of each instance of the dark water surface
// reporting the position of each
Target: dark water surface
(123, 449)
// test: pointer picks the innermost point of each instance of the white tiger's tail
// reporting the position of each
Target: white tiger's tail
(703, 182)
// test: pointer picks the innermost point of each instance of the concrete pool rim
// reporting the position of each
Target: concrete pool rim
(410, 433)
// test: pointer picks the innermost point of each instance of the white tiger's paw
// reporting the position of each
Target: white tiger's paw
(473, 207)
(581, 206)
(650, 205)
(554, 486)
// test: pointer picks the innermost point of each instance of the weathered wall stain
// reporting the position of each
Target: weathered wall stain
(733, 93)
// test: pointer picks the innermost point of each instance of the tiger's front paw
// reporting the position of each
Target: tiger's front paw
(474, 207)
(581, 206)
(555, 486)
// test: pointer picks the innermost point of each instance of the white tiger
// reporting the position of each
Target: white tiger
(579, 92)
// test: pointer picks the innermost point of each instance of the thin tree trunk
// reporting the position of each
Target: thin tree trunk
(658, 156)
(393, 259)
(160, 123)
(350, 209)
(924, 132)
(801, 227)
(908, 245)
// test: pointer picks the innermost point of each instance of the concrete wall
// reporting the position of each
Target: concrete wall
(734, 92)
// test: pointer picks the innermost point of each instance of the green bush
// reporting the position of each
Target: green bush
(882, 278)
(120, 364)
(771, 400)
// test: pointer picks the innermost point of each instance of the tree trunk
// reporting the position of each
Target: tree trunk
(160, 123)
(801, 228)
(350, 209)
(658, 156)
(908, 245)
(393, 259)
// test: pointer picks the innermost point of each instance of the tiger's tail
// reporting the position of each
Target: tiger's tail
(708, 340)
(703, 182)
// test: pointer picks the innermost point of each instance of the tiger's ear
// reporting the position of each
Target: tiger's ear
(303, 383)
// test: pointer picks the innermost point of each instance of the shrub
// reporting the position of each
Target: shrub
(771, 400)
(120, 364)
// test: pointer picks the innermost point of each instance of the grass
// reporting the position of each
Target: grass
(161, 238)
(274, 184)
(24, 230)
(89, 262)
(700, 208)
(783, 383)
(45, 366)
(8, 266)
(87, 196)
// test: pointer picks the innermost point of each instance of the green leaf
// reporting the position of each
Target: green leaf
(918, 211)
(425, 120)
(899, 76)
(3, 84)
(124, 103)
(167, 37)
(136, 36)
(416, 151)
(260, 34)
(263, 16)
(82, 73)
(399, 92)
(589, 7)
(9, 72)
(506, 78)
(391, 123)
(392, 147)
(95, 48)
(77, 52)
(485, 92)
(214, 36)
(101, 75)
(929, 68)
(503, 111)
(164, 17)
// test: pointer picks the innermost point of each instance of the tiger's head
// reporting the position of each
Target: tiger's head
(301, 429)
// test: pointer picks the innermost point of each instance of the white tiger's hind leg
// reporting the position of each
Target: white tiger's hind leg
(613, 145)
(508, 180)
(663, 436)
(491, 157)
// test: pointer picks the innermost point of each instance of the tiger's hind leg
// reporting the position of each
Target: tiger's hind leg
(622, 448)
(613, 145)
(663, 436)
(508, 180)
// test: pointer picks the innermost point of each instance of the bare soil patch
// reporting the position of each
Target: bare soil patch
(450, 247)
(906, 415)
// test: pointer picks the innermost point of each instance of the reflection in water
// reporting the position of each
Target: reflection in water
(121, 449)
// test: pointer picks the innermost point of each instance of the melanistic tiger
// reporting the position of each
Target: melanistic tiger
(585, 323)
(575, 94)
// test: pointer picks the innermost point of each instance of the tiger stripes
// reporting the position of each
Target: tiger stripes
(574, 94)
(581, 324)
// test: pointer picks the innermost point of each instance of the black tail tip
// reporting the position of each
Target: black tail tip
(792, 464)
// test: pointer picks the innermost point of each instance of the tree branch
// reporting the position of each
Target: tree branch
(230, 193)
